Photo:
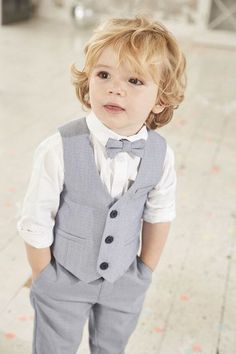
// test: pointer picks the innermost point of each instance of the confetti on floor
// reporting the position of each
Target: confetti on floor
(184, 297)
(215, 169)
(197, 348)
(158, 330)
(221, 327)
(8, 204)
(10, 335)
(24, 318)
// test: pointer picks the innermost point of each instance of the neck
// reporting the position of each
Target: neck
(127, 132)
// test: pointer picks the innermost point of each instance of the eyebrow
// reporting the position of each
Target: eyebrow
(110, 67)
(102, 66)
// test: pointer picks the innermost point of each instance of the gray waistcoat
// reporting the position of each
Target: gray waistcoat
(94, 235)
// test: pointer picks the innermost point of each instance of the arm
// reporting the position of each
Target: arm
(154, 237)
(159, 207)
(41, 203)
(38, 258)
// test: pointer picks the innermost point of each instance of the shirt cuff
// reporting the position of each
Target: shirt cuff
(37, 240)
(160, 217)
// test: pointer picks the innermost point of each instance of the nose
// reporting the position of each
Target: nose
(116, 88)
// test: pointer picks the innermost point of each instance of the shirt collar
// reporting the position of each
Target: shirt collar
(102, 133)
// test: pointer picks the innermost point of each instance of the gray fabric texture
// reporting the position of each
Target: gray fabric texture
(88, 214)
(62, 303)
(73, 287)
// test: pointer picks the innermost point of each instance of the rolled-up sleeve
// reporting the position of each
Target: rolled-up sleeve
(42, 198)
(160, 204)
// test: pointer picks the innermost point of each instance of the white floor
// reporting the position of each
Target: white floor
(191, 304)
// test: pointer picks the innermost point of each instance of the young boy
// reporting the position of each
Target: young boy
(99, 182)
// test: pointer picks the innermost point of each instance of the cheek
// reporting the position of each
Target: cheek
(91, 84)
(92, 90)
(146, 102)
(95, 88)
(151, 98)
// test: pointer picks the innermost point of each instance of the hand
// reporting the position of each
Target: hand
(147, 265)
(36, 273)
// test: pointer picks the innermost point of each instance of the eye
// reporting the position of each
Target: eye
(135, 81)
(103, 74)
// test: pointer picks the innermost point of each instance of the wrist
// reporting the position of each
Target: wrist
(147, 263)
(39, 268)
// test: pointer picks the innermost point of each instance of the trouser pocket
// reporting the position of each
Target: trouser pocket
(144, 270)
(40, 274)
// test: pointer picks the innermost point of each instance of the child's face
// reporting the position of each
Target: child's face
(119, 98)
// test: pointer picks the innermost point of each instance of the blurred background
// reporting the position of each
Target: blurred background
(191, 305)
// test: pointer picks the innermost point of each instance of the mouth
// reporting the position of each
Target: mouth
(114, 108)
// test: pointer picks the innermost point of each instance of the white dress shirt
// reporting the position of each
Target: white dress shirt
(42, 198)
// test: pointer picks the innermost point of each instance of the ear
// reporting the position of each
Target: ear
(158, 108)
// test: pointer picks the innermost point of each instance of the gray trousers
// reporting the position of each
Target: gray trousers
(62, 303)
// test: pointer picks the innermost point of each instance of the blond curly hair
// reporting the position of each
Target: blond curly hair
(147, 46)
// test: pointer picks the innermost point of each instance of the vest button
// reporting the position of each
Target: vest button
(113, 213)
(104, 265)
(109, 239)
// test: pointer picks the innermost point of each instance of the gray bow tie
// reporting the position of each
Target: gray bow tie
(114, 146)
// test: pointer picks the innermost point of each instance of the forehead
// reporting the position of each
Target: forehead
(109, 58)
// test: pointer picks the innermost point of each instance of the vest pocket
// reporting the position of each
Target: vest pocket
(75, 219)
(142, 191)
(68, 250)
(69, 236)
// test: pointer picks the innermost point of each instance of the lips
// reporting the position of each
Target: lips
(112, 107)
